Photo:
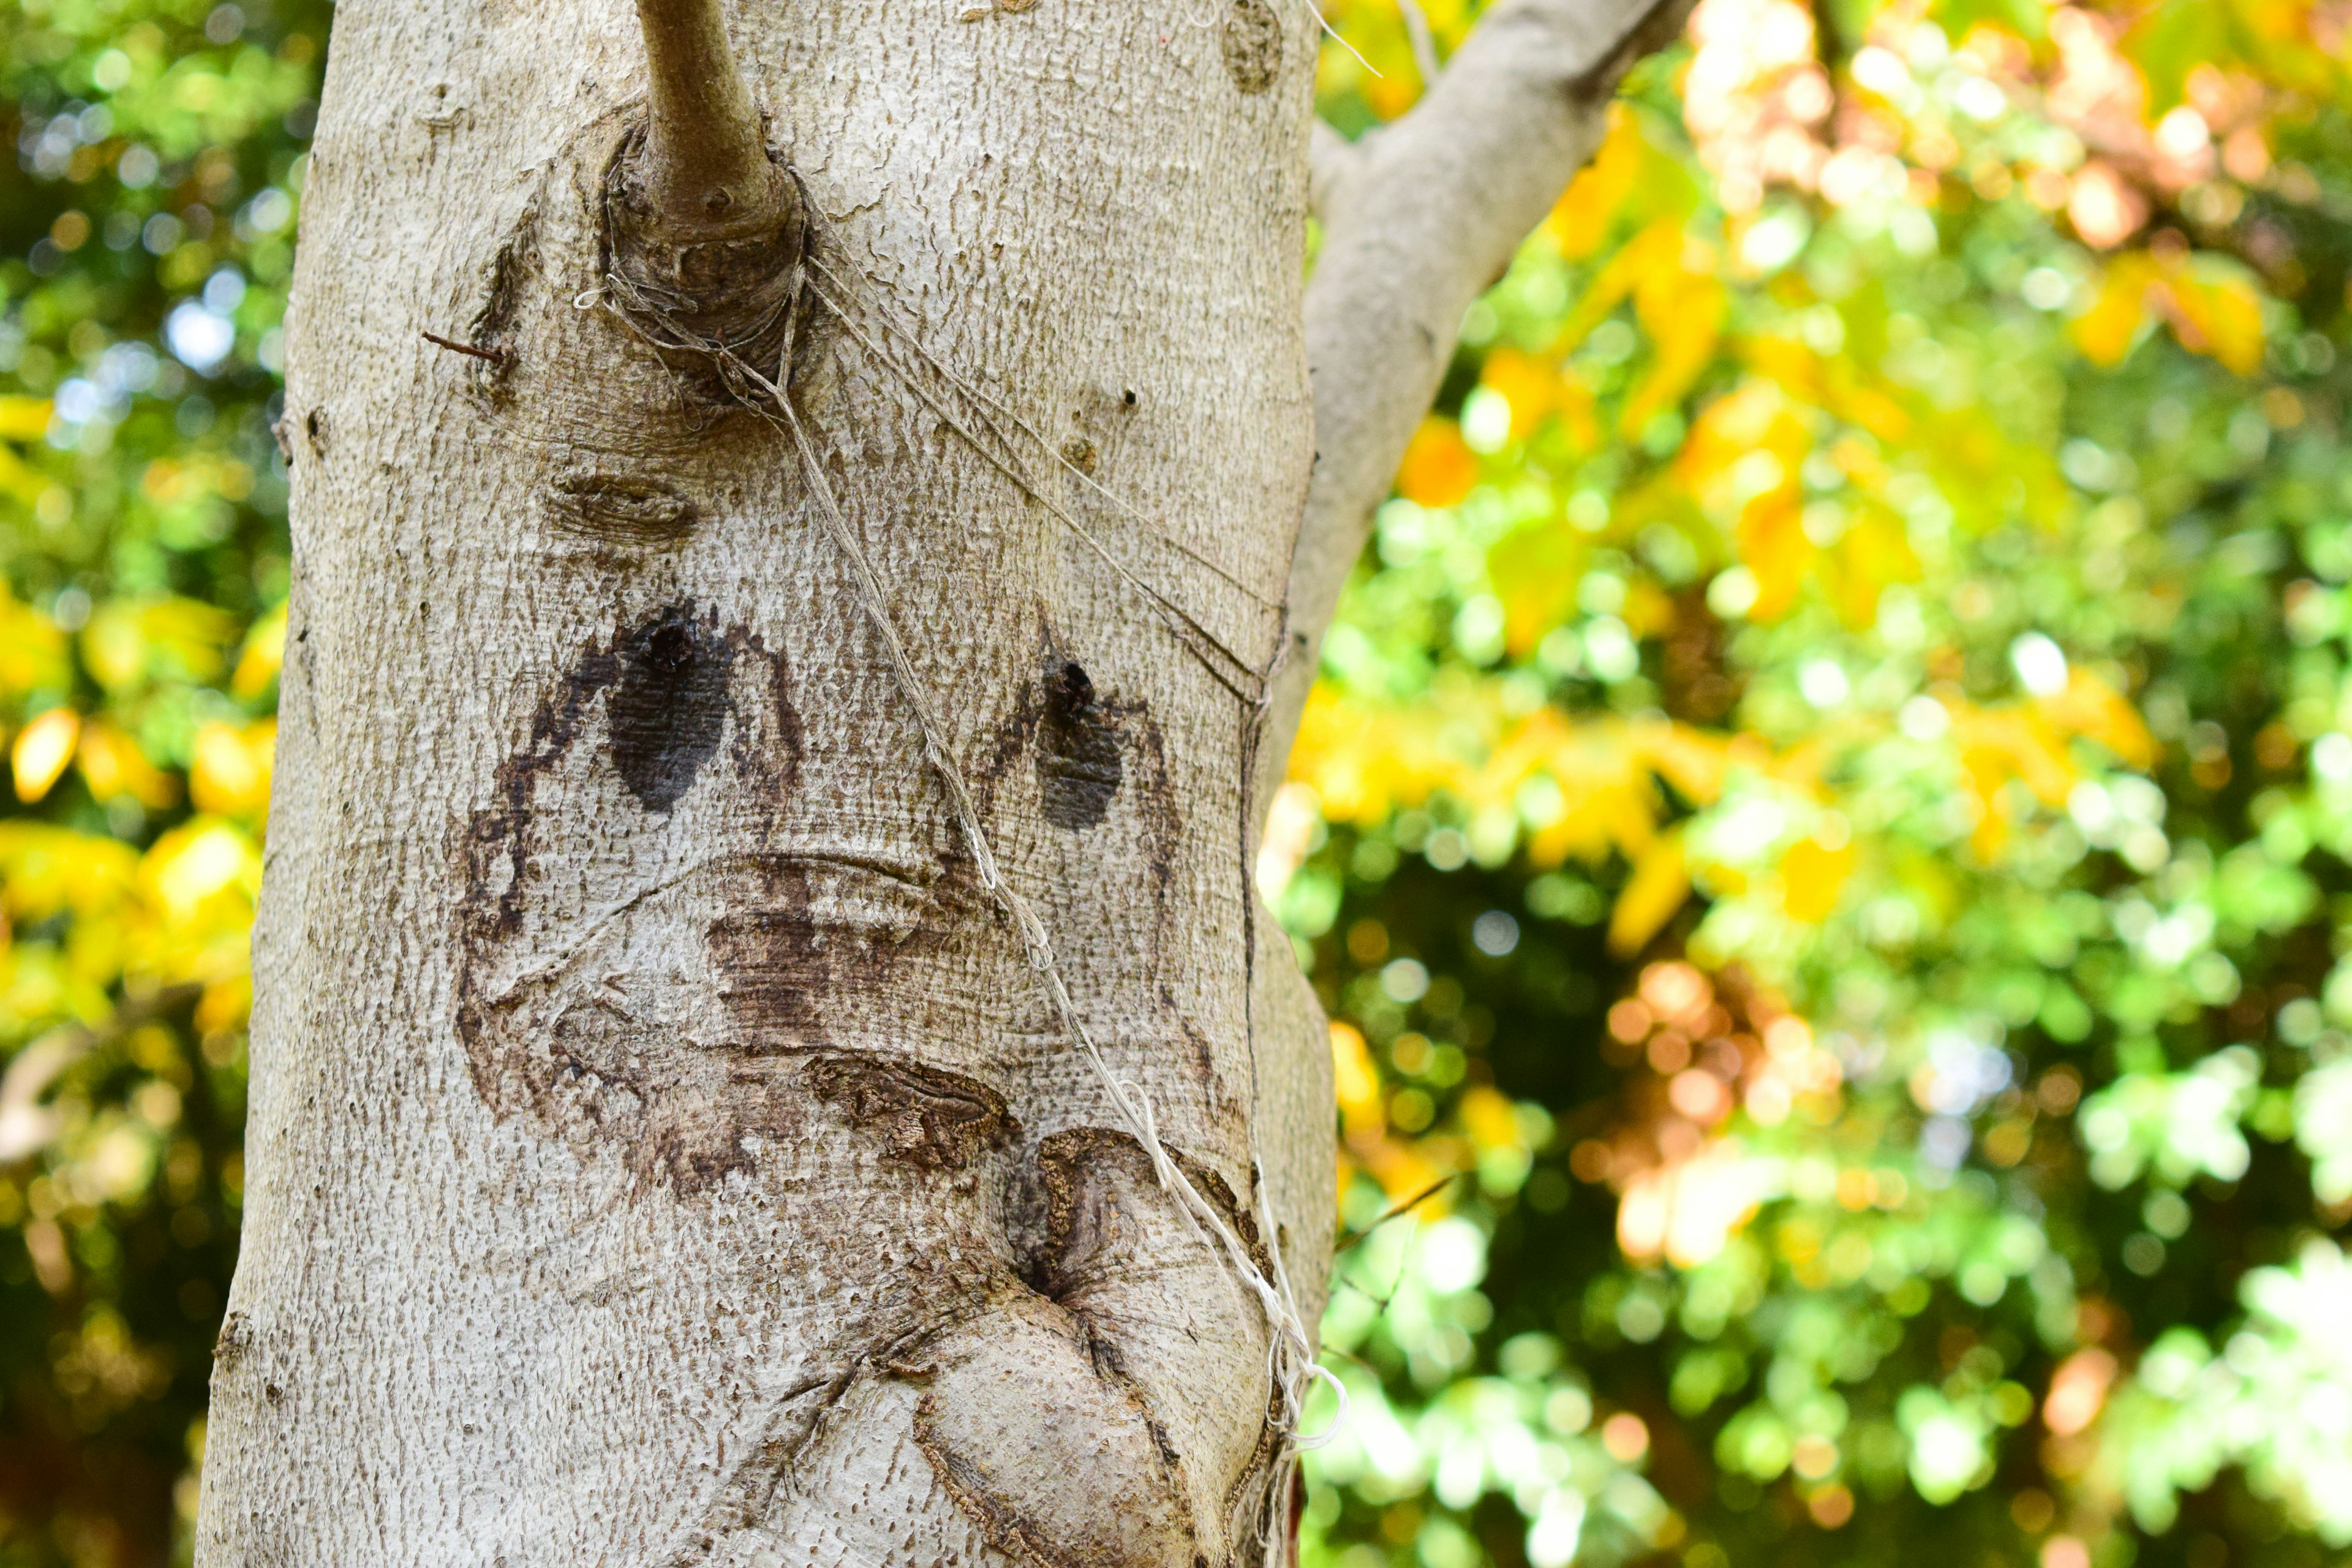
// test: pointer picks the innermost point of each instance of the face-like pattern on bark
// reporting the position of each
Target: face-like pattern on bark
(795, 1229)
(651, 975)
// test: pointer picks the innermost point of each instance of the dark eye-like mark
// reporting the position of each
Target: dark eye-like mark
(668, 709)
(1079, 763)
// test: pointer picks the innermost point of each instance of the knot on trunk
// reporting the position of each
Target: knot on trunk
(705, 273)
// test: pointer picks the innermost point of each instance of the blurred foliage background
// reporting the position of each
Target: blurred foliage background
(1825, 834)
(146, 231)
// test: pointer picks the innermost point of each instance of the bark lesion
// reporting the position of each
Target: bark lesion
(926, 1116)
(619, 504)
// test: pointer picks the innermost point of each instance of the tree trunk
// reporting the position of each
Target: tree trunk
(663, 1147)
(765, 1051)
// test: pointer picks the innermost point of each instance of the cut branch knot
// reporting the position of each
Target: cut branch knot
(704, 225)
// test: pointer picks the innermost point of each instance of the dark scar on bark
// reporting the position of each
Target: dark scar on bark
(668, 707)
(771, 966)
(517, 258)
(1253, 46)
(926, 1116)
(1075, 1230)
(679, 1113)
(1078, 764)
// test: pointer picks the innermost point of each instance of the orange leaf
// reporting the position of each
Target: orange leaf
(1439, 469)
(1530, 387)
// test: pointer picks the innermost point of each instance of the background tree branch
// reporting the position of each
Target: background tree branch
(1419, 218)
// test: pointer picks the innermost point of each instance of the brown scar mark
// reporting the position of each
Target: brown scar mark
(561, 1017)
(1078, 765)
(770, 964)
(775, 957)
(518, 258)
(926, 1118)
(1253, 46)
(624, 507)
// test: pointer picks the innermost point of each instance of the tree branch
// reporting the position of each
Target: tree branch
(705, 227)
(1418, 219)
(705, 169)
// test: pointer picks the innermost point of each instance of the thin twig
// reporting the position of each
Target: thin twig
(1395, 1210)
(496, 356)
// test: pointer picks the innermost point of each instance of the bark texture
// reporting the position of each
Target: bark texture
(661, 1150)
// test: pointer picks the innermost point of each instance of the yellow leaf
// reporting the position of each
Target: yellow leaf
(1649, 250)
(1772, 545)
(187, 637)
(112, 648)
(1876, 550)
(32, 649)
(1682, 312)
(1813, 877)
(1691, 760)
(113, 764)
(1439, 469)
(2092, 708)
(42, 749)
(1658, 246)
(19, 480)
(2219, 317)
(1530, 387)
(1581, 221)
(23, 418)
(1659, 885)
(1535, 571)
(1490, 1119)
(170, 638)
(48, 870)
(1353, 1074)
(225, 1003)
(264, 656)
(2107, 331)
(230, 774)
(199, 861)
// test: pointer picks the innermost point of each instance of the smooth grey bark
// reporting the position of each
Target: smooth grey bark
(1419, 218)
(670, 1140)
